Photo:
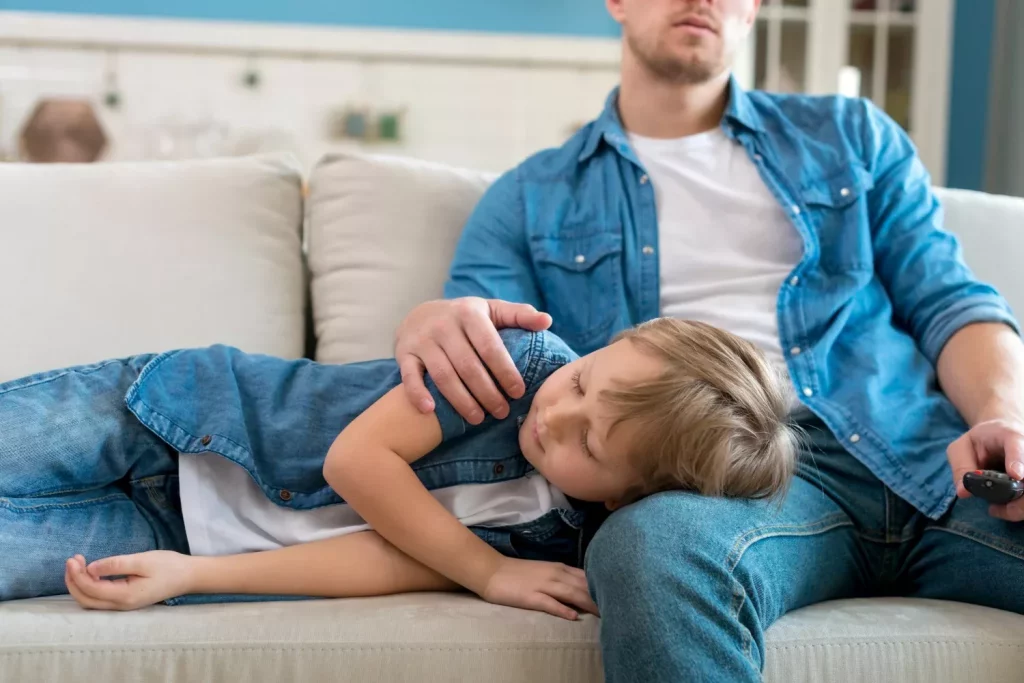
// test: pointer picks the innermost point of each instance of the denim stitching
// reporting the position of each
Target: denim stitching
(110, 497)
(988, 540)
(822, 526)
(829, 523)
(36, 380)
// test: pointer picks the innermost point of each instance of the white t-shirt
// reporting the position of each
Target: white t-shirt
(226, 513)
(725, 244)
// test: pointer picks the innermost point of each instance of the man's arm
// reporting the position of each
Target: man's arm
(961, 325)
(492, 258)
(981, 370)
(492, 285)
(933, 292)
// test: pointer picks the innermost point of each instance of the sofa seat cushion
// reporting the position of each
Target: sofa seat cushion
(439, 638)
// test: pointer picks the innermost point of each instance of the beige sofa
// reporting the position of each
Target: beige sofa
(101, 261)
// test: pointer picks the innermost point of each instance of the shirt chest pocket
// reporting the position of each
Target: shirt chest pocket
(838, 213)
(581, 278)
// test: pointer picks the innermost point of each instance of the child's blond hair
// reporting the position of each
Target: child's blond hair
(714, 422)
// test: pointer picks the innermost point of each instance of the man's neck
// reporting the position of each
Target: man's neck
(653, 108)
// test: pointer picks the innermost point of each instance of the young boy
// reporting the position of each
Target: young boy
(200, 475)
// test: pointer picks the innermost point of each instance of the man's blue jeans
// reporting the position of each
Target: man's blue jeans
(688, 585)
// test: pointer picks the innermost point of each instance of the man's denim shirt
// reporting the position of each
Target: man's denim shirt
(278, 419)
(862, 317)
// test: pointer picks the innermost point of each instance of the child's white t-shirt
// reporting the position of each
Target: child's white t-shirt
(227, 513)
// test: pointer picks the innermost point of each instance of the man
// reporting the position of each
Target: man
(808, 226)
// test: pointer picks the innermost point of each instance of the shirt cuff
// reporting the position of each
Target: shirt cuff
(961, 314)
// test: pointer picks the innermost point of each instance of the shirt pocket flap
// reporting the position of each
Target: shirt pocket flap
(839, 190)
(577, 252)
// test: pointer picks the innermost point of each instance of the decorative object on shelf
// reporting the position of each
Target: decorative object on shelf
(112, 91)
(364, 124)
(252, 78)
(62, 131)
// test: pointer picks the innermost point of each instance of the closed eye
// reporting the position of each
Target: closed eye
(583, 443)
(576, 383)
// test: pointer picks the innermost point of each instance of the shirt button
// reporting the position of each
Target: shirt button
(854, 438)
(580, 258)
(796, 210)
(808, 392)
(644, 179)
(648, 250)
(794, 280)
(206, 440)
(499, 468)
(845, 192)
(286, 495)
(795, 351)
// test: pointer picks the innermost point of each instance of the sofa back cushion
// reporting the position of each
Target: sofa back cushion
(381, 233)
(991, 231)
(106, 260)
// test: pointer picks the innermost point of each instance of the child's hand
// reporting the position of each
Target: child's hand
(541, 586)
(150, 578)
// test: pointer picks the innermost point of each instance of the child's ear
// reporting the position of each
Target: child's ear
(613, 505)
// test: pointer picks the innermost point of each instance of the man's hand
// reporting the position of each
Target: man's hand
(995, 444)
(456, 342)
(149, 578)
(541, 586)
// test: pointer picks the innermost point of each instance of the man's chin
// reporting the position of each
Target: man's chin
(689, 69)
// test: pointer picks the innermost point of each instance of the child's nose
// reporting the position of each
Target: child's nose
(560, 418)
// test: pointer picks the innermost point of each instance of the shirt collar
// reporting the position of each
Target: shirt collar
(608, 126)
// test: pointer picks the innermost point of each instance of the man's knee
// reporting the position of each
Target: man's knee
(668, 537)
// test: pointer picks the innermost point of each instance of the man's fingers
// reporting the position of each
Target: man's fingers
(1013, 448)
(1012, 512)
(962, 459)
(412, 381)
(524, 316)
(474, 375)
(488, 345)
(448, 382)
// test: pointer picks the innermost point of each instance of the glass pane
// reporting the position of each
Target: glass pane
(907, 6)
(761, 55)
(795, 3)
(899, 74)
(862, 56)
(792, 75)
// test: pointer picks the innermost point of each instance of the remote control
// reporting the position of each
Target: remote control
(995, 487)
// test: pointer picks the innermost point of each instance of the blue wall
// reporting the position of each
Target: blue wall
(571, 17)
(973, 28)
(973, 31)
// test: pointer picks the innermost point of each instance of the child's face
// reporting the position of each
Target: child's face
(565, 435)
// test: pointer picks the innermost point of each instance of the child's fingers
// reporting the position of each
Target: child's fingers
(70, 573)
(114, 592)
(119, 565)
(545, 603)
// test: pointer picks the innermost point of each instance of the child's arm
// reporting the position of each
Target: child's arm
(354, 565)
(369, 466)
